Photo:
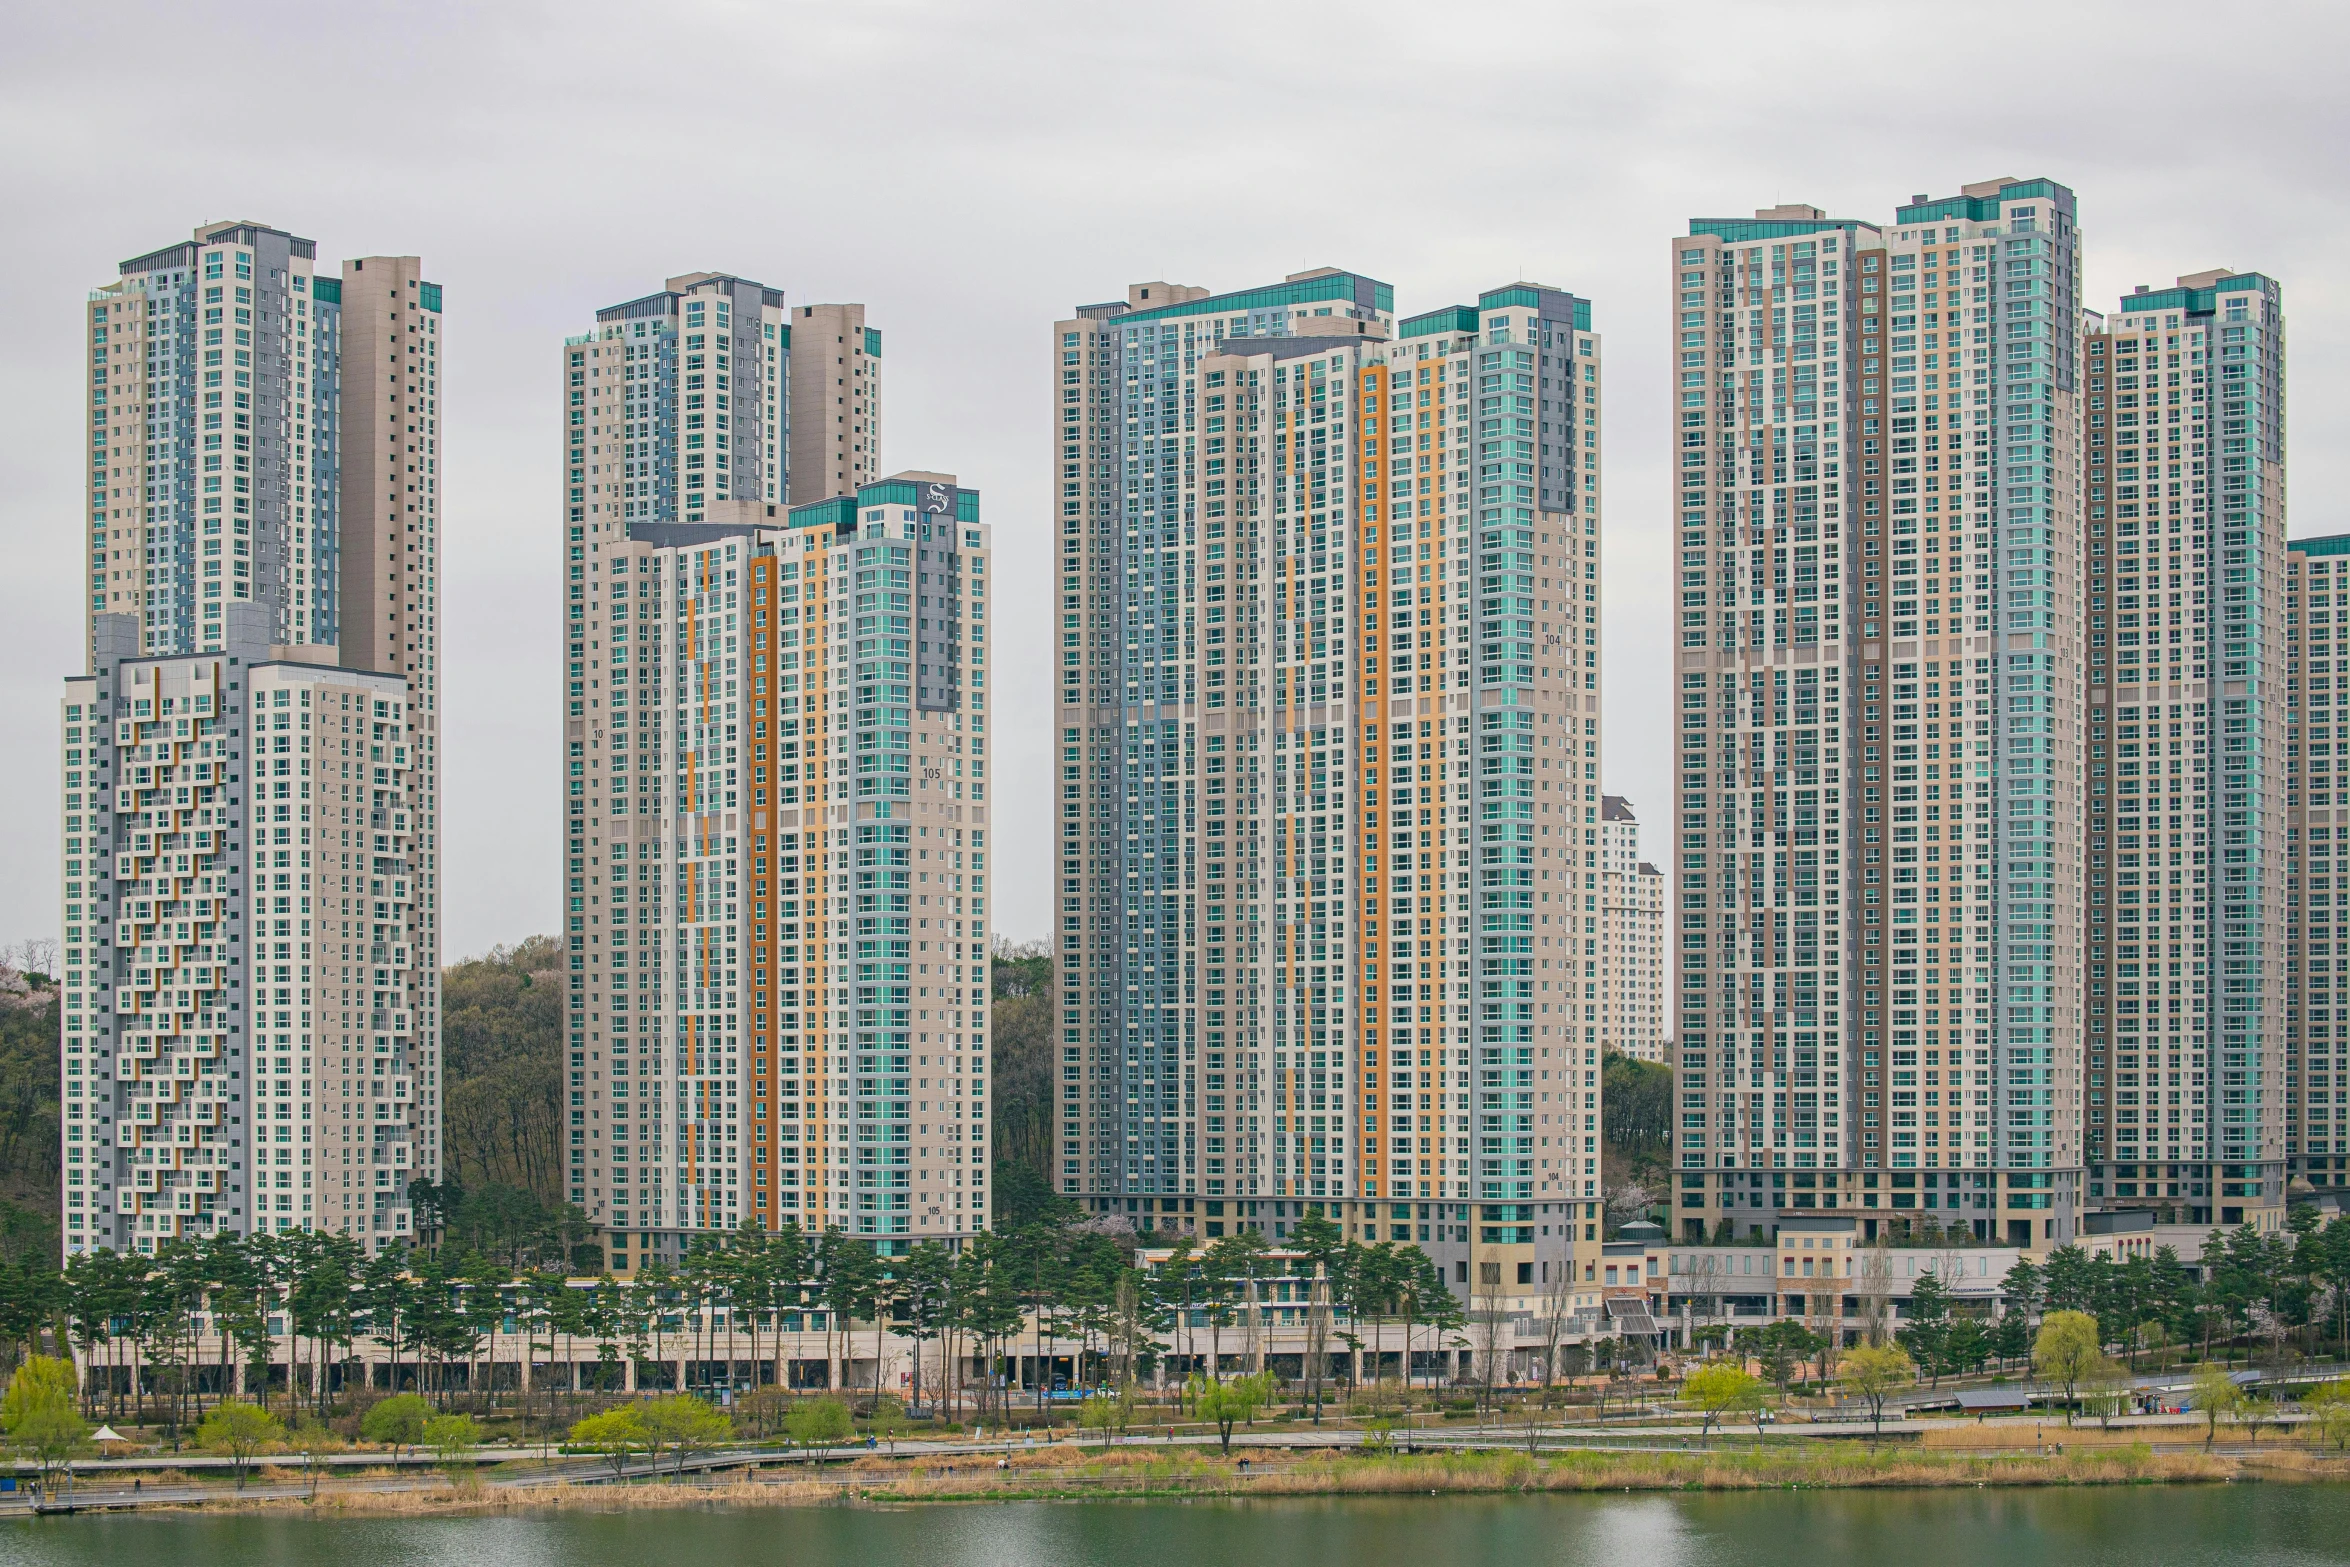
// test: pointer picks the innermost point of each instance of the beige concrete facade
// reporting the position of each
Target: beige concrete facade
(835, 402)
(388, 559)
(390, 464)
(2317, 1036)
(1633, 955)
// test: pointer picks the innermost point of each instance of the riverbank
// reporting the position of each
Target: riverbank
(1067, 1473)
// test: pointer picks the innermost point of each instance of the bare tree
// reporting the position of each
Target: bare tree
(1874, 1285)
(1950, 1262)
(1126, 1329)
(1558, 1301)
(1706, 1283)
(34, 955)
(1490, 1320)
(1317, 1337)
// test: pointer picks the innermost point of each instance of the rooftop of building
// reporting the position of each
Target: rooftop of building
(1546, 297)
(933, 494)
(664, 300)
(1982, 201)
(2196, 293)
(1315, 286)
(1789, 221)
(235, 231)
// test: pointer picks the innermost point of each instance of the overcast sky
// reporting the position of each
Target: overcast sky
(972, 171)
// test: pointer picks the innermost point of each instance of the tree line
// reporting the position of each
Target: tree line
(2084, 1320)
(165, 1336)
(2265, 1292)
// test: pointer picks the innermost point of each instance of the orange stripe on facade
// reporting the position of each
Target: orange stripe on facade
(1367, 982)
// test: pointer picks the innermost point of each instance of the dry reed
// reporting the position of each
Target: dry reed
(1063, 1472)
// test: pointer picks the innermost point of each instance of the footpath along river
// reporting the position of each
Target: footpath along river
(2126, 1526)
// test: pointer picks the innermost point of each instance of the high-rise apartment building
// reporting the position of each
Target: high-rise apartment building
(1632, 949)
(1884, 715)
(2317, 1029)
(2191, 1037)
(774, 780)
(700, 389)
(251, 820)
(1329, 748)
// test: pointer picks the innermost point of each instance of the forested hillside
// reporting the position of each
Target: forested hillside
(28, 1112)
(1023, 989)
(1637, 1130)
(502, 1068)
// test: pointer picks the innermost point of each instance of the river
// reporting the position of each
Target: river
(2222, 1526)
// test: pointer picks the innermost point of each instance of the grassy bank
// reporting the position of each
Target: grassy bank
(1065, 1473)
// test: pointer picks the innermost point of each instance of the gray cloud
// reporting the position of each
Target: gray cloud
(973, 171)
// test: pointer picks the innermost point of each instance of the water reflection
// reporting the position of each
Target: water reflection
(2208, 1526)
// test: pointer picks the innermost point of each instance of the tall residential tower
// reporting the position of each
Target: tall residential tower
(774, 789)
(251, 827)
(2191, 1040)
(1884, 712)
(1329, 743)
(2317, 968)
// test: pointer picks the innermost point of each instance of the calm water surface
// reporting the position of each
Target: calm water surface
(2214, 1526)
